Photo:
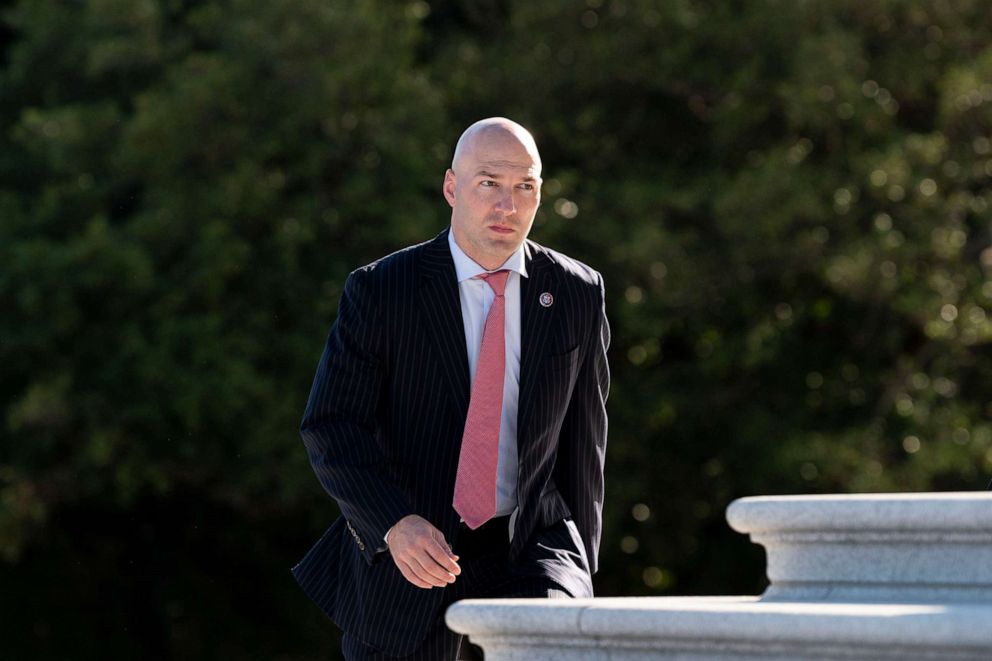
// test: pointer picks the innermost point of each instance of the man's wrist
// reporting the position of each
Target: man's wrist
(385, 542)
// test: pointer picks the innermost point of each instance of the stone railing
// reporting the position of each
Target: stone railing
(879, 576)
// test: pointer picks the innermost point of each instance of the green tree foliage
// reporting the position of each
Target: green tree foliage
(184, 191)
(789, 201)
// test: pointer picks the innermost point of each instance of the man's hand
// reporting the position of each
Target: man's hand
(421, 553)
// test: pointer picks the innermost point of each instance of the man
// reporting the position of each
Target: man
(458, 417)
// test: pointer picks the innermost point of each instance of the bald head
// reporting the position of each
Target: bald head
(483, 141)
(494, 189)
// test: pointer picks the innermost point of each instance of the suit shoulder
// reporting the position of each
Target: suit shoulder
(394, 268)
(576, 272)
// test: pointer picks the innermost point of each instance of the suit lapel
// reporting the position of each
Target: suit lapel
(441, 303)
(536, 323)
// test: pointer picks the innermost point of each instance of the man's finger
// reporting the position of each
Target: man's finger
(443, 544)
(411, 577)
(430, 570)
(441, 555)
(419, 558)
(445, 547)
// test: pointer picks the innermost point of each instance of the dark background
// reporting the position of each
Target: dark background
(789, 202)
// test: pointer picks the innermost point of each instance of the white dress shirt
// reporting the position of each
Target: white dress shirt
(476, 298)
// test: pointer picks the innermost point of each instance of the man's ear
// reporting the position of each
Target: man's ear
(449, 186)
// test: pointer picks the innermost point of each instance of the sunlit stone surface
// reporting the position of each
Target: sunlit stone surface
(880, 576)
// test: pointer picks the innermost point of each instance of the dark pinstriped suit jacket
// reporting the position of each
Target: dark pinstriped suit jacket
(384, 422)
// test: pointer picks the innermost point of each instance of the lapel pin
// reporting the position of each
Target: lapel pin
(547, 299)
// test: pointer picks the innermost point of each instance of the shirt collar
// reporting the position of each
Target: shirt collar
(466, 268)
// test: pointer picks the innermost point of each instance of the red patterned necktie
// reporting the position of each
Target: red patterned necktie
(475, 484)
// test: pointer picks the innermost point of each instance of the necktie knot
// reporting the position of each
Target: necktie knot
(496, 280)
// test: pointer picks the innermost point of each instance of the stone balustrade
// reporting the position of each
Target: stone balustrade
(864, 576)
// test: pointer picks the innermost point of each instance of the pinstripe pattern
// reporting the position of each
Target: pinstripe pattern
(384, 421)
(484, 577)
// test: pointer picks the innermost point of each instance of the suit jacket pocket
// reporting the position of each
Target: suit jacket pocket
(318, 573)
(563, 361)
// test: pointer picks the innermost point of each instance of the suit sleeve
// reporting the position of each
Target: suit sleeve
(582, 443)
(339, 423)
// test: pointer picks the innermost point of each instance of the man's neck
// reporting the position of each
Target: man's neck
(487, 262)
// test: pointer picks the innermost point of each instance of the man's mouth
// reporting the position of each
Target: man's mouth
(502, 229)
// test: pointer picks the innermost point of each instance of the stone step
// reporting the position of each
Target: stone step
(721, 628)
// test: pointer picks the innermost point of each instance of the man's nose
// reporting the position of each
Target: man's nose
(505, 203)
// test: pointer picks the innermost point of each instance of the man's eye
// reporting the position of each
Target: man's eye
(488, 182)
(527, 186)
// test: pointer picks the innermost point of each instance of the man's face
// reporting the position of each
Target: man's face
(494, 195)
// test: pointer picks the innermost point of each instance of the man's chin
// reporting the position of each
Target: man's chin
(507, 243)
(515, 235)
